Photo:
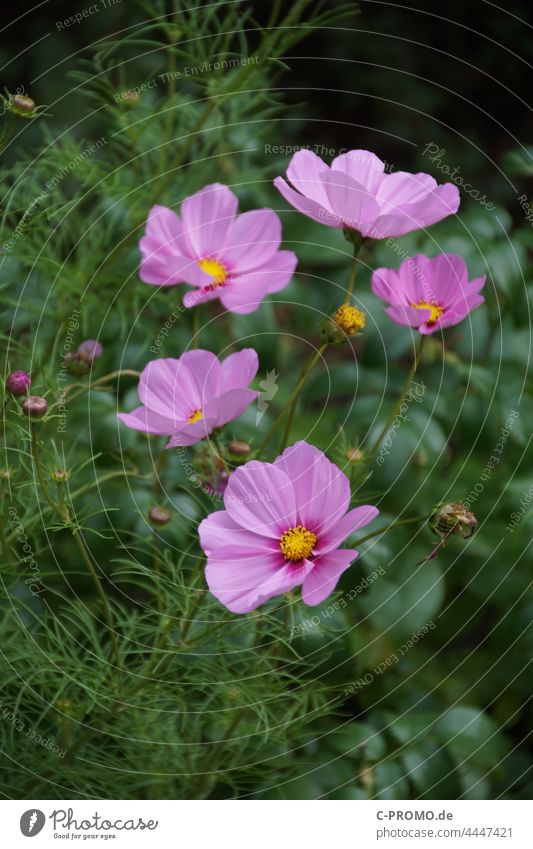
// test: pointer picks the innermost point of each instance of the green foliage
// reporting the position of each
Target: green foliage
(160, 688)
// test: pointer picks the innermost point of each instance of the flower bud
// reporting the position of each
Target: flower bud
(18, 382)
(90, 350)
(346, 321)
(59, 475)
(130, 97)
(159, 515)
(23, 105)
(35, 407)
(239, 448)
(77, 364)
(453, 518)
(354, 455)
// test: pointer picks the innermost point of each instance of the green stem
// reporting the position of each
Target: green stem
(411, 521)
(294, 400)
(64, 514)
(291, 403)
(39, 470)
(401, 399)
(220, 453)
(353, 272)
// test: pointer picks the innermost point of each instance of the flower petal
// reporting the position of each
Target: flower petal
(322, 491)
(324, 577)
(219, 530)
(304, 173)
(149, 422)
(238, 370)
(254, 237)
(351, 522)
(305, 205)
(260, 497)
(364, 167)
(242, 578)
(229, 406)
(354, 205)
(207, 217)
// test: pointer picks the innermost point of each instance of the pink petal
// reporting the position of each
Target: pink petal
(305, 205)
(204, 369)
(324, 577)
(219, 530)
(304, 173)
(143, 419)
(408, 316)
(207, 217)
(355, 207)
(351, 522)
(322, 491)
(190, 434)
(245, 293)
(229, 406)
(364, 167)
(254, 237)
(260, 498)
(167, 389)
(201, 296)
(164, 227)
(385, 285)
(401, 188)
(242, 578)
(163, 270)
(239, 369)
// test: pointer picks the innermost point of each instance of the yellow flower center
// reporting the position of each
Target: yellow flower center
(195, 416)
(349, 319)
(215, 269)
(436, 311)
(297, 543)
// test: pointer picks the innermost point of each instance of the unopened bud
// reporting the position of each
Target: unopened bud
(22, 104)
(239, 448)
(354, 455)
(59, 475)
(35, 407)
(90, 350)
(159, 515)
(453, 518)
(18, 382)
(130, 96)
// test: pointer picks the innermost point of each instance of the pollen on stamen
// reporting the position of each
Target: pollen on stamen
(297, 543)
(195, 416)
(216, 270)
(435, 310)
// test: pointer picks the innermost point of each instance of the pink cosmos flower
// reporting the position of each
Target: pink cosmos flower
(188, 398)
(282, 527)
(223, 255)
(428, 294)
(355, 193)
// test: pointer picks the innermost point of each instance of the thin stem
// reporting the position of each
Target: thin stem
(157, 572)
(64, 514)
(220, 454)
(39, 470)
(303, 377)
(411, 521)
(401, 399)
(351, 281)
(309, 364)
